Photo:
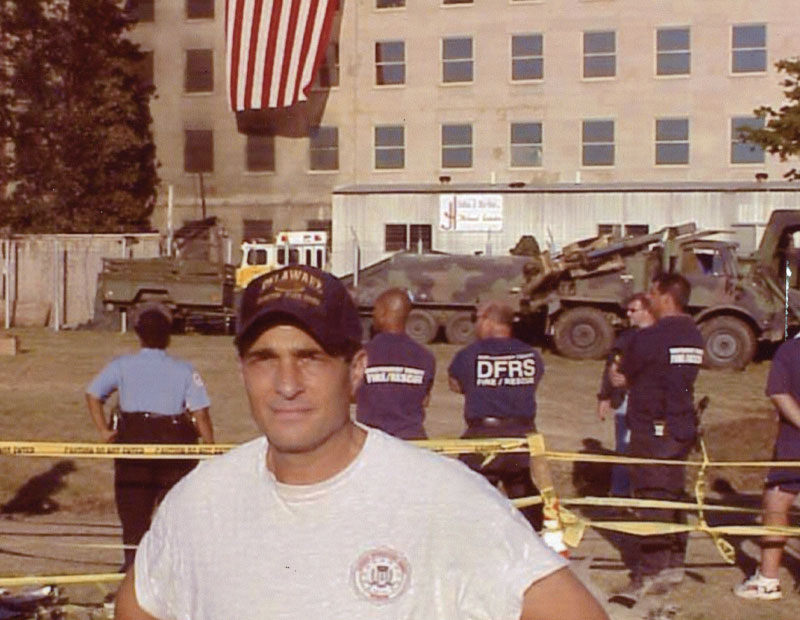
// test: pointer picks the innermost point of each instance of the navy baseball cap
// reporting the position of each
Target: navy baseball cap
(314, 299)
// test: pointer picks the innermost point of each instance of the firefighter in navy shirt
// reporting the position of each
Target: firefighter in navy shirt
(498, 376)
(399, 375)
(660, 366)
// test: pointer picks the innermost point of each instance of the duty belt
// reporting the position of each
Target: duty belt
(179, 418)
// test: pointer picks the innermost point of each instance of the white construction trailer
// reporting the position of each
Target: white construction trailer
(372, 222)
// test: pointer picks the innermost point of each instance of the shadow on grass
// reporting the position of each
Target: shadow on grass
(35, 497)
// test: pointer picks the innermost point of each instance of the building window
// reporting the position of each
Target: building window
(145, 68)
(743, 152)
(526, 145)
(390, 147)
(199, 71)
(672, 141)
(673, 54)
(200, 9)
(198, 150)
(749, 49)
(527, 57)
(328, 72)
(598, 143)
(390, 62)
(260, 153)
(456, 146)
(389, 4)
(457, 59)
(599, 54)
(323, 148)
(257, 230)
(141, 10)
(399, 237)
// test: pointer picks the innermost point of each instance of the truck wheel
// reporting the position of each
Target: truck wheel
(460, 329)
(583, 333)
(728, 343)
(421, 326)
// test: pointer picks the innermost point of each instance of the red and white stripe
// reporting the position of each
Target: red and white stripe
(274, 48)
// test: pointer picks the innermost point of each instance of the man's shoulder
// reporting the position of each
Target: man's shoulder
(221, 472)
(425, 470)
(787, 352)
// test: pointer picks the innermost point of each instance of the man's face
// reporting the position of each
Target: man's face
(299, 395)
(637, 314)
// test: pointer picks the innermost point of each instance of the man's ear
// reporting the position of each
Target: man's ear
(357, 368)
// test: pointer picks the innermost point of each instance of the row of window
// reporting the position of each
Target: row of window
(526, 146)
(673, 57)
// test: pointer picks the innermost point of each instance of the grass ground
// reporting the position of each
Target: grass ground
(59, 527)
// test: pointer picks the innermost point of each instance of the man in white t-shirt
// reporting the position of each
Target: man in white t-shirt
(324, 518)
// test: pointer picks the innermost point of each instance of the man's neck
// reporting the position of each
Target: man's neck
(320, 463)
(671, 312)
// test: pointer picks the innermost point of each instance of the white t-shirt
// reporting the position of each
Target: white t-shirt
(401, 533)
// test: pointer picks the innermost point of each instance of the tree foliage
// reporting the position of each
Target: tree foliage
(781, 132)
(75, 119)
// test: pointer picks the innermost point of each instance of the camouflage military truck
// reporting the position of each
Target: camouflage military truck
(736, 302)
(445, 289)
(195, 281)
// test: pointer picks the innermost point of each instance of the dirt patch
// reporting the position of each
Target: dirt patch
(67, 517)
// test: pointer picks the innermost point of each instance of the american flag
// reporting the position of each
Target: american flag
(273, 49)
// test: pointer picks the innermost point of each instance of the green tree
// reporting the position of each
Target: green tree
(75, 119)
(781, 132)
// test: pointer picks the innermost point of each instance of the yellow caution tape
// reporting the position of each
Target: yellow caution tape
(112, 450)
(489, 447)
(57, 580)
(536, 444)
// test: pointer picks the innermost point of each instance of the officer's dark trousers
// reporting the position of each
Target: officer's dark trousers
(664, 482)
(512, 469)
(139, 485)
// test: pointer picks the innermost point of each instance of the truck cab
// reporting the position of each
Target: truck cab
(290, 248)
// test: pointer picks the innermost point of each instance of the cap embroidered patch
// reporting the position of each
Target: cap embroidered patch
(381, 575)
(316, 300)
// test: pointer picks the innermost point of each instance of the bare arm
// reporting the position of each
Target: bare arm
(455, 386)
(560, 596)
(95, 406)
(788, 407)
(127, 607)
(202, 421)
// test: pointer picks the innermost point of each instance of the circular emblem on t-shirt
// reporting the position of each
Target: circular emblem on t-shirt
(381, 575)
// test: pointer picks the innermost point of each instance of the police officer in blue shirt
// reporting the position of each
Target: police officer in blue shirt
(162, 399)
(399, 375)
(498, 375)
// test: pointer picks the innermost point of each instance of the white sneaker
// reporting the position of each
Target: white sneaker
(759, 587)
